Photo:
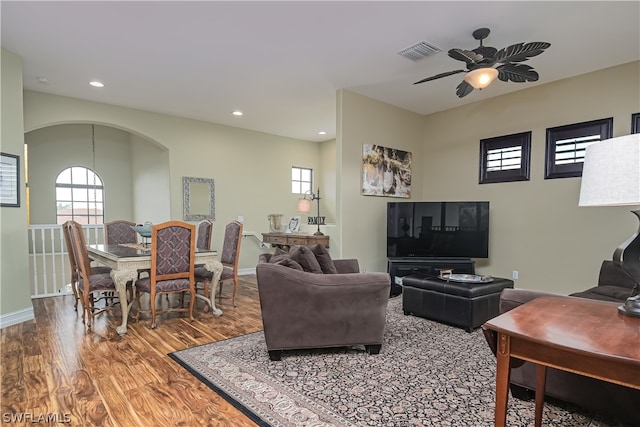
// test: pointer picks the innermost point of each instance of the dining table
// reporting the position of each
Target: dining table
(126, 259)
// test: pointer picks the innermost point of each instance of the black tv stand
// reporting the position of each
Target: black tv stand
(400, 267)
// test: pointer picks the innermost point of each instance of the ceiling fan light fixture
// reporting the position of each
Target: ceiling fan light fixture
(481, 77)
(485, 61)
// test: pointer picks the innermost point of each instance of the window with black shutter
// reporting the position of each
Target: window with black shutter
(566, 146)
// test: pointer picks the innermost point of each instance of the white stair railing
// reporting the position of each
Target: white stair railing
(262, 244)
(48, 258)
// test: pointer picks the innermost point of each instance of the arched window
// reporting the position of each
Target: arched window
(79, 196)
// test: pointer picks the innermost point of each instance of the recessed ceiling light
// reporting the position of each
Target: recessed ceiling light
(322, 132)
(96, 83)
(237, 113)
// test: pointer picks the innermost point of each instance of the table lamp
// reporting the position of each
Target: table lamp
(304, 206)
(611, 177)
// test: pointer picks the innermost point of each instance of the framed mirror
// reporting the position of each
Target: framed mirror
(199, 199)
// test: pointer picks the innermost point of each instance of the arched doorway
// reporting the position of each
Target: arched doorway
(132, 168)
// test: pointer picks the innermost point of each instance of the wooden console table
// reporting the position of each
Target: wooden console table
(582, 336)
(290, 239)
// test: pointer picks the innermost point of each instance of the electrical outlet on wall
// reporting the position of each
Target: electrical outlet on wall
(240, 218)
(515, 274)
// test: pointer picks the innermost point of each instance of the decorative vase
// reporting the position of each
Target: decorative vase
(275, 222)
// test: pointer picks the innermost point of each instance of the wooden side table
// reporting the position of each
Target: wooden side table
(286, 240)
(579, 335)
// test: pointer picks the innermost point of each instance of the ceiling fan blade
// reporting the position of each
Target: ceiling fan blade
(521, 52)
(438, 76)
(463, 89)
(517, 73)
(468, 56)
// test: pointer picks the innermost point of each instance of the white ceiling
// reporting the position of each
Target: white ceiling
(282, 62)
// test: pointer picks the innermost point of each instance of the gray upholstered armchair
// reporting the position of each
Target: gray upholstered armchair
(310, 310)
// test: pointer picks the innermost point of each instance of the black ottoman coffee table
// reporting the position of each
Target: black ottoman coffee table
(466, 305)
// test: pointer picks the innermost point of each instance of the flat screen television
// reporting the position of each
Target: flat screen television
(438, 229)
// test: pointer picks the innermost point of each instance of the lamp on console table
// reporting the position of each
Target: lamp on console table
(304, 206)
(611, 177)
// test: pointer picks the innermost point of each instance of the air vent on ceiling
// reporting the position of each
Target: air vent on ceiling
(419, 50)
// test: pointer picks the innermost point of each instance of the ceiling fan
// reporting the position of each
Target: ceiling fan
(481, 64)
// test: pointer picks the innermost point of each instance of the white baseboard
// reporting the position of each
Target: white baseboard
(246, 271)
(16, 317)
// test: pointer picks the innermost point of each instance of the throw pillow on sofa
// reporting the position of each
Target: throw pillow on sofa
(279, 251)
(283, 258)
(324, 259)
(307, 259)
(288, 262)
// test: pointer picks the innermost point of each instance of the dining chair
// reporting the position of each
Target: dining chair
(120, 231)
(205, 232)
(72, 260)
(91, 282)
(229, 259)
(173, 246)
(230, 256)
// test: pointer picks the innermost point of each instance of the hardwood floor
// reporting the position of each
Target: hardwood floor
(51, 367)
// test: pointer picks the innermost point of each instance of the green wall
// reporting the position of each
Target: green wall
(15, 302)
(55, 148)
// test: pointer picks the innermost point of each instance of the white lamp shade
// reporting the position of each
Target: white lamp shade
(304, 206)
(611, 172)
(481, 77)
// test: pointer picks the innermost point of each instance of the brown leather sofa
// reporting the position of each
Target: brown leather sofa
(303, 310)
(620, 402)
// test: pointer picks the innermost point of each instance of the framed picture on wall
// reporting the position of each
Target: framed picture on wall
(9, 180)
(385, 171)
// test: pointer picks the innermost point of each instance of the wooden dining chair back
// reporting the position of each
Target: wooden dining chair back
(201, 275)
(230, 256)
(205, 231)
(229, 259)
(120, 231)
(91, 283)
(72, 262)
(173, 246)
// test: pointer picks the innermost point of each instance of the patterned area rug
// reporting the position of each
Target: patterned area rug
(427, 374)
